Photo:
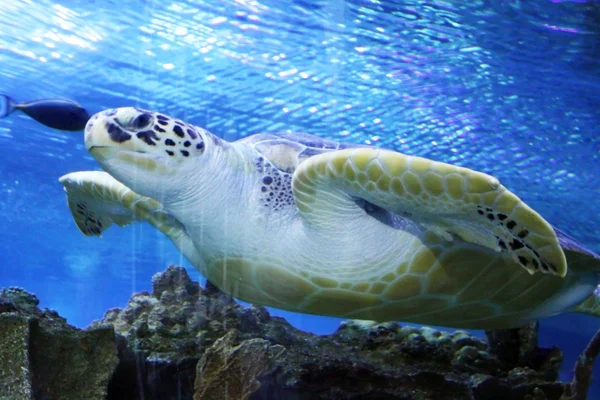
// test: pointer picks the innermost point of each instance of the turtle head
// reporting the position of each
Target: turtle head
(154, 155)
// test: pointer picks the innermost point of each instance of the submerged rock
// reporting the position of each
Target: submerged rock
(15, 377)
(230, 371)
(42, 357)
(183, 341)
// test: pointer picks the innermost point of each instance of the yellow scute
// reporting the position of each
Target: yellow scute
(433, 183)
(479, 183)
(455, 270)
(324, 282)
(361, 158)
(404, 287)
(423, 260)
(339, 302)
(404, 310)
(260, 282)
(454, 185)
(464, 312)
(411, 183)
(283, 285)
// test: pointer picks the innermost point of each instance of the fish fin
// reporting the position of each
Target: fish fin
(7, 105)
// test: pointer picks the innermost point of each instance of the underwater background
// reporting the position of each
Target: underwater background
(511, 88)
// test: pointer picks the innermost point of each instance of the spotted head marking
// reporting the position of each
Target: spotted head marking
(144, 131)
(152, 154)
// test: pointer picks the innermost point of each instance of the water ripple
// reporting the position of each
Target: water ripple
(507, 87)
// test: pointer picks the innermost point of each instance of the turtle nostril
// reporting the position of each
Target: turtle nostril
(141, 121)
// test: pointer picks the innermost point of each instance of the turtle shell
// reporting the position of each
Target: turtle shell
(287, 150)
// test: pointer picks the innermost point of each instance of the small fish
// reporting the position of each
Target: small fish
(65, 115)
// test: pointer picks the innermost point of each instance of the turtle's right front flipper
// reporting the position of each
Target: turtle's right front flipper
(444, 198)
(97, 200)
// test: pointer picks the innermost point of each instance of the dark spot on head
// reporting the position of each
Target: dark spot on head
(192, 133)
(148, 136)
(178, 123)
(117, 134)
(480, 212)
(267, 180)
(187, 143)
(169, 152)
(178, 131)
(141, 121)
(159, 129)
(263, 189)
(200, 146)
(523, 233)
(163, 122)
(501, 217)
(523, 260)
(502, 244)
(185, 153)
(511, 224)
(161, 117)
(516, 244)
(490, 217)
(535, 263)
(169, 142)
(544, 266)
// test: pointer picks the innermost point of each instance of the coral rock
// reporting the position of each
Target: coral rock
(42, 357)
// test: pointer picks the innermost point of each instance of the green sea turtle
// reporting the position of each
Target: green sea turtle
(310, 225)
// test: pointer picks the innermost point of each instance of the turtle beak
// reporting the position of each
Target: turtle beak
(139, 160)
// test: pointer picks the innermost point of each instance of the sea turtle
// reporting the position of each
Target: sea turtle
(310, 225)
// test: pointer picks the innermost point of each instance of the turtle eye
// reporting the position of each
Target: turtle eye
(141, 121)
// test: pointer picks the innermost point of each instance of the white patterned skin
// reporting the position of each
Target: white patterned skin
(309, 225)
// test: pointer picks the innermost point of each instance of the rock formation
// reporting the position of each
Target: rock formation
(183, 341)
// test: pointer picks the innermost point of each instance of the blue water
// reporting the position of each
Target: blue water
(511, 88)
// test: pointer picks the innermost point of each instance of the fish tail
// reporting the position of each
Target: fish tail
(7, 105)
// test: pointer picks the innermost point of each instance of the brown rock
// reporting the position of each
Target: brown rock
(229, 372)
(42, 357)
(15, 379)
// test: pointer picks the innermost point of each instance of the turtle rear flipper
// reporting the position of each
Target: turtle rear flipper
(449, 200)
(97, 200)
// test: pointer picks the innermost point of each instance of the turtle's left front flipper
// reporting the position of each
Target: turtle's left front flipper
(97, 200)
(444, 198)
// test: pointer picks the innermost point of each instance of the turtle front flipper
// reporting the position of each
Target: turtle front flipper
(444, 198)
(97, 200)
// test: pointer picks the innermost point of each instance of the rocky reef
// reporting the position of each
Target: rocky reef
(183, 341)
